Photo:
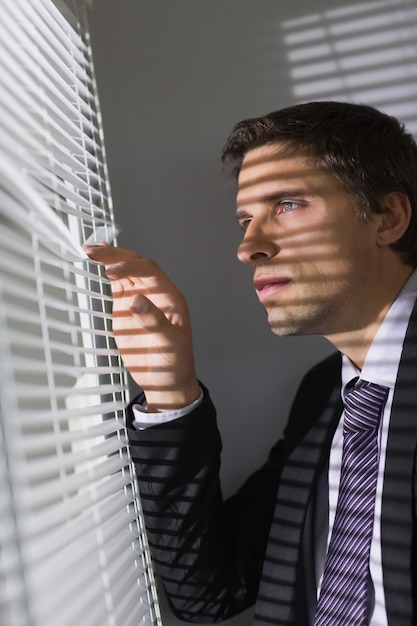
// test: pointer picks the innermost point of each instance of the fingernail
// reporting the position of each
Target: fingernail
(92, 246)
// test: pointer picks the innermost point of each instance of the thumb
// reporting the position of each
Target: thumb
(147, 314)
(139, 304)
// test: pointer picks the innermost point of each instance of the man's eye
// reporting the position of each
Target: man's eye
(286, 206)
(244, 223)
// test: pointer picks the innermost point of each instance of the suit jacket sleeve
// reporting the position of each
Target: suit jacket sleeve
(209, 553)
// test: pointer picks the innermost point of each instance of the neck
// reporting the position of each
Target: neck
(355, 342)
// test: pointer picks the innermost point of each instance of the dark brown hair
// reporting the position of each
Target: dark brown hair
(369, 152)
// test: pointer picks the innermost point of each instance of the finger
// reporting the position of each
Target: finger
(121, 289)
(109, 255)
(146, 276)
(127, 293)
(135, 267)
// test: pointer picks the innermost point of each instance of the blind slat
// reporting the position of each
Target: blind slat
(109, 493)
(43, 443)
(50, 491)
(50, 466)
(80, 529)
(44, 418)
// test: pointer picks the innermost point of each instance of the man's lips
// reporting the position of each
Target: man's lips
(268, 285)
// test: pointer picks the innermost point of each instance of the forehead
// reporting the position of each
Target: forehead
(275, 169)
(274, 162)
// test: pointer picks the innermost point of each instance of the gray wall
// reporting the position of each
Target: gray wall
(173, 78)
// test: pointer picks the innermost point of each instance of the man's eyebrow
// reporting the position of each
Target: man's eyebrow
(240, 214)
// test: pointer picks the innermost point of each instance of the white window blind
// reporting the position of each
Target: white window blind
(73, 549)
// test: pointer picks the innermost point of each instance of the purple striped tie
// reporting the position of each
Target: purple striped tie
(343, 596)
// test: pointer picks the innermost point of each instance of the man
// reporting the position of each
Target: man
(327, 200)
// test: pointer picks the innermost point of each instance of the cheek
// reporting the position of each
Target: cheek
(347, 259)
(331, 263)
(315, 246)
(326, 241)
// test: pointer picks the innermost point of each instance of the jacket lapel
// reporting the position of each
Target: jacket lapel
(281, 593)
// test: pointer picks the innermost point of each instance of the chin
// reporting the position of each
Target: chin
(284, 329)
(284, 332)
(295, 326)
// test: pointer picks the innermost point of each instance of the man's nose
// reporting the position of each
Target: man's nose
(257, 245)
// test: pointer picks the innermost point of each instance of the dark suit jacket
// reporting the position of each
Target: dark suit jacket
(216, 558)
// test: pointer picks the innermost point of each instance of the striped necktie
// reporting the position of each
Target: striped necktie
(343, 595)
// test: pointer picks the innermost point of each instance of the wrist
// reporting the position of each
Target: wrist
(162, 401)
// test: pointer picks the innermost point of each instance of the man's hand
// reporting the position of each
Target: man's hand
(152, 328)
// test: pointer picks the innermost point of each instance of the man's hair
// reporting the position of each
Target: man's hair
(369, 152)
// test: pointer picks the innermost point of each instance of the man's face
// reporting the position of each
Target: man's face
(313, 257)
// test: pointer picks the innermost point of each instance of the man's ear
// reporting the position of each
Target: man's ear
(395, 218)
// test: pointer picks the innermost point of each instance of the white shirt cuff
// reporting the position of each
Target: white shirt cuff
(143, 419)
